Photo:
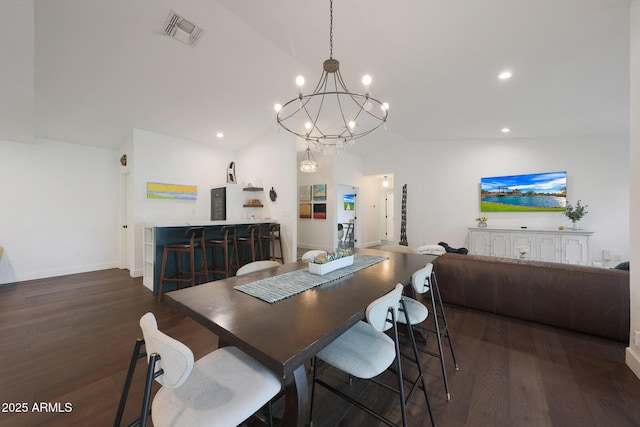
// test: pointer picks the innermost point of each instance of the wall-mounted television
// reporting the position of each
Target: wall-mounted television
(532, 192)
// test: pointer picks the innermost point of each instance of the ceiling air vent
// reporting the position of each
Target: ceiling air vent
(181, 29)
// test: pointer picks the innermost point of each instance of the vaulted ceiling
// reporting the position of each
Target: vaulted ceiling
(88, 71)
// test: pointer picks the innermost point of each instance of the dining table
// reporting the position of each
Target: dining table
(285, 334)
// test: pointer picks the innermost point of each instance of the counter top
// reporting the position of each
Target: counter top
(532, 230)
(205, 223)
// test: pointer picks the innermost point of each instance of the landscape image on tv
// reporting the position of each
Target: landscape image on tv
(532, 192)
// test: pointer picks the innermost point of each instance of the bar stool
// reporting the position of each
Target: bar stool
(195, 235)
(253, 241)
(226, 242)
(274, 234)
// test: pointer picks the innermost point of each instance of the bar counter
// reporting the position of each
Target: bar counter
(158, 234)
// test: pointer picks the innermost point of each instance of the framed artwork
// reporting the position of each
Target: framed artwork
(538, 192)
(305, 210)
(349, 202)
(320, 211)
(156, 190)
(304, 193)
(319, 192)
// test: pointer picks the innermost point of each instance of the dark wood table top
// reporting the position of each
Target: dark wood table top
(284, 335)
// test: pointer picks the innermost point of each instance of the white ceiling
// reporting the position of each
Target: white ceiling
(88, 71)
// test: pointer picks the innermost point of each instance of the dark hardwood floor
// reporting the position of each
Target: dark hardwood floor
(68, 340)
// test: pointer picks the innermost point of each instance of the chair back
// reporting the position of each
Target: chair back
(421, 279)
(377, 312)
(228, 232)
(274, 229)
(309, 255)
(176, 359)
(194, 234)
(254, 231)
(256, 266)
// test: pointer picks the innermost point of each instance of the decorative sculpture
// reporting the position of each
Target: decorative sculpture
(403, 224)
(231, 173)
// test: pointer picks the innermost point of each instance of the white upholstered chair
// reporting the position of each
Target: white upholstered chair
(424, 281)
(256, 266)
(221, 389)
(366, 351)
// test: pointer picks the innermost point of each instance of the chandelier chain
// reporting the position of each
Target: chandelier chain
(331, 29)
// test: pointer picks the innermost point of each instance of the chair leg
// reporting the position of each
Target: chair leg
(313, 389)
(403, 404)
(447, 332)
(416, 355)
(146, 400)
(162, 273)
(137, 354)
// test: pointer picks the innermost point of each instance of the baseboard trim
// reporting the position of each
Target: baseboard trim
(632, 359)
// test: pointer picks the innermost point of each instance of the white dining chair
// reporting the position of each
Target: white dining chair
(256, 266)
(365, 351)
(424, 281)
(223, 388)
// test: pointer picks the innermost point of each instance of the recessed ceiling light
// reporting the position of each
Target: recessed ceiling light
(505, 75)
(219, 134)
(505, 130)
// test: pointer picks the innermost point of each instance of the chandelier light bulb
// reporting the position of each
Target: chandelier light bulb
(220, 135)
(300, 81)
(505, 75)
(367, 106)
(352, 124)
(277, 107)
(307, 125)
(366, 80)
(384, 106)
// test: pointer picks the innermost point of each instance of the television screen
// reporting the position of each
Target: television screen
(532, 192)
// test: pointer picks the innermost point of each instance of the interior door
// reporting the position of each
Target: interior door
(389, 218)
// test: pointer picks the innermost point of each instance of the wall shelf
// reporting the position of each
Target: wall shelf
(252, 206)
(253, 189)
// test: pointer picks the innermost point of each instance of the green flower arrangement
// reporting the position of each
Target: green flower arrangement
(575, 213)
(332, 256)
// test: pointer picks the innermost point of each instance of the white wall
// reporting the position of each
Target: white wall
(318, 233)
(443, 186)
(272, 162)
(633, 352)
(59, 212)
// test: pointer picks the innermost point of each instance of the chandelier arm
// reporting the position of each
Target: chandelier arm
(337, 78)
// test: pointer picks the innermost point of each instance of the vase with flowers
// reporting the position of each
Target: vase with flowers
(575, 213)
(482, 221)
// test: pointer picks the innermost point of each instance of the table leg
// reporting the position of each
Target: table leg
(296, 405)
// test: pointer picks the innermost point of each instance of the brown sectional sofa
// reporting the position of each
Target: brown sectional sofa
(584, 299)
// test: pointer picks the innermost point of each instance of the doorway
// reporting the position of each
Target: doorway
(347, 208)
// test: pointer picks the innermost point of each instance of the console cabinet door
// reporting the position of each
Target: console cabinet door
(548, 248)
(501, 245)
(479, 243)
(575, 249)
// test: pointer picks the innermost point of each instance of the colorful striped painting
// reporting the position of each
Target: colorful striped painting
(157, 190)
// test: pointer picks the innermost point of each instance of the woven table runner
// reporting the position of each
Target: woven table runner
(276, 288)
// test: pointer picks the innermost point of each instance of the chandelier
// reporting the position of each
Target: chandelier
(308, 163)
(332, 115)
